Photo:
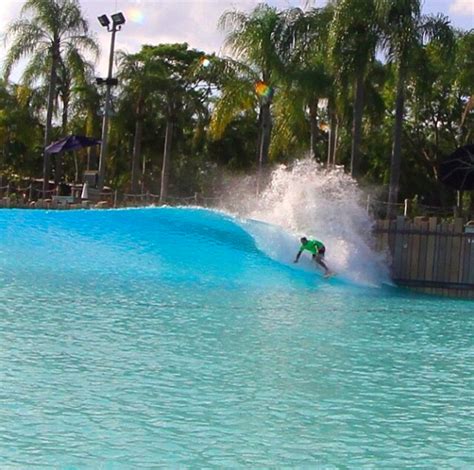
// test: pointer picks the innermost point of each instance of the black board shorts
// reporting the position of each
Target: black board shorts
(320, 253)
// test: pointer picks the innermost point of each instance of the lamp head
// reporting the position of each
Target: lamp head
(104, 20)
(118, 19)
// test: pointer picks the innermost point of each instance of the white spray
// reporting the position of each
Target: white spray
(305, 199)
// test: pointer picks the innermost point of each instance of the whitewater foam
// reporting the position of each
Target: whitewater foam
(305, 199)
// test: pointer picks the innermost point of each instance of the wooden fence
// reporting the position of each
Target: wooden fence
(430, 256)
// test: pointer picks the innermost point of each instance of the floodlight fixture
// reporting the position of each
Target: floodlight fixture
(106, 81)
(104, 20)
(118, 19)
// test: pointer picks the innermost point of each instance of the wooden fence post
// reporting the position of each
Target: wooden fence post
(398, 255)
(406, 208)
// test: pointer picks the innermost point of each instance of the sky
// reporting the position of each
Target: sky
(191, 21)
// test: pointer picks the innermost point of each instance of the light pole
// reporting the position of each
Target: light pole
(117, 21)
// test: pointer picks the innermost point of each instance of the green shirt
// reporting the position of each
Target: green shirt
(313, 246)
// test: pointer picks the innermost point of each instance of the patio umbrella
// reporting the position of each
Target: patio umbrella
(71, 142)
(85, 191)
(457, 170)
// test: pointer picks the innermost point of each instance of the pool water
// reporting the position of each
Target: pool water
(169, 337)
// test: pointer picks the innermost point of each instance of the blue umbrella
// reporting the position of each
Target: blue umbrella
(71, 142)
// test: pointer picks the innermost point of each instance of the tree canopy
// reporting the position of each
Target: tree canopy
(374, 86)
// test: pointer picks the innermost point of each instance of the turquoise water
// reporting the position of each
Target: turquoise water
(166, 337)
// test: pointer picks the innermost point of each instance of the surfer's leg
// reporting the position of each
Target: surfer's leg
(319, 260)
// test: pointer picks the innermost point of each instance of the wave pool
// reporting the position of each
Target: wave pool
(187, 338)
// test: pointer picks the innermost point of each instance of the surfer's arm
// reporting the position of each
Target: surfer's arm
(298, 256)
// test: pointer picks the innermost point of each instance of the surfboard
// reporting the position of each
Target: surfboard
(329, 275)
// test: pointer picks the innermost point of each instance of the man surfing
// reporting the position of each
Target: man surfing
(317, 249)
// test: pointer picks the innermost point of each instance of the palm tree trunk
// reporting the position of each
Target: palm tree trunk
(142, 189)
(137, 147)
(166, 161)
(76, 167)
(65, 115)
(357, 125)
(49, 120)
(395, 163)
(332, 135)
(313, 124)
(91, 151)
(266, 130)
(59, 157)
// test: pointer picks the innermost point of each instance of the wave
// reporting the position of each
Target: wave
(305, 199)
(172, 246)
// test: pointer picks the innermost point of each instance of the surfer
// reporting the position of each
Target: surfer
(317, 249)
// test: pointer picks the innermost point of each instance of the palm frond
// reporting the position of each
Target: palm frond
(238, 97)
(37, 69)
(84, 44)
(290, 124)
(353, 38)
(252, 37)
(27, 38)
(437, 28)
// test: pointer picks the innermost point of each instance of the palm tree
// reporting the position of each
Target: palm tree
(405, 30)
(235, 82)
(141, 75)
(72, 73)
(251, 39)
(46, 29)
(353, 40)
(85, 117)
(306, 78)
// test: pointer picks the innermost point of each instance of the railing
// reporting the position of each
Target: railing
(13, 196)
(156, 199)
(45, 194)
(409, 208)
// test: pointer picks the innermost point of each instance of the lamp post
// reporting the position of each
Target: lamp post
(117, 21)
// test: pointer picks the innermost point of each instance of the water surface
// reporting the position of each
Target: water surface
(167, 337)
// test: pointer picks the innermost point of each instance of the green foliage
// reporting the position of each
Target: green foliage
(20, 133)
(353, 38)
(53, 34)
(309, 58)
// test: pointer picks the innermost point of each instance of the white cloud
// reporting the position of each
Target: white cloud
(162, 22)
(462, 7)
(148, 22)
(191, 21)
(10, 10)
